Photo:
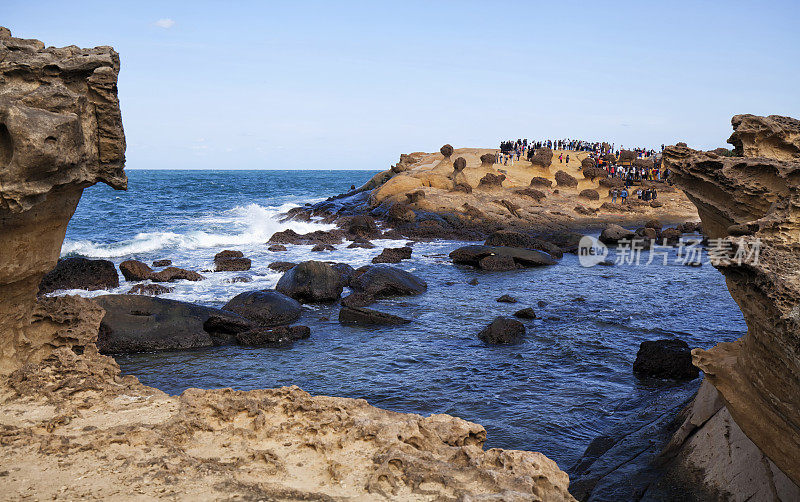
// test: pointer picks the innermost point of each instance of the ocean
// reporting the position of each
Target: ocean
(569, 381)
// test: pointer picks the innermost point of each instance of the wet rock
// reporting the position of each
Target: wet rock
(669, 359)
(231, 261)
(487, 160)
(240, 278)
(276, 248)
(289, 236)
(414, 197)
(503, 330)
(507, 299)
(363, 226)
(384, 280)
(265, 307)
(318, 248)
(361, 243)
(646, 233)
(311, 281)
(541, 303)
(149, 289)
(134, 270)
(473, 254)
(80, 273)
(162, 263)
(280, 335)
(671, 236)
(365, 316)
(281, 266)
(345, 272)
(393, 255)
(171, 274)
(357, 299)
(140, 323)
(612, 234)
(526, 313)
(473, 282)
(497, 263)
(564, 179)
(654, 224)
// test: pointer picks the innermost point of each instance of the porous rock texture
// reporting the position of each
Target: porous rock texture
(758, 376)
(71, 426)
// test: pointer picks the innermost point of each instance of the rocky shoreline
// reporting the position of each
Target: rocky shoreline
(69, 414)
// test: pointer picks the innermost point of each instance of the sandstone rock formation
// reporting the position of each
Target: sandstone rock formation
(758, 375)
(72, 427)
(543, 157)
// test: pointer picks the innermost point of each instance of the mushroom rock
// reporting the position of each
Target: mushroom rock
(588, 163)
(594, 172)
(487, 160)
(643, 163)
(757, 375)
(60, 132)
(589, 194)
(564, 179)
(610, 158)
(543, 157)
(627, 156)
(447, 151)
(459, 164)
(492, 181)
(538, 181)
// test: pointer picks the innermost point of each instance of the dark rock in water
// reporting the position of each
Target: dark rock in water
(281, 266)
(541, 303)
(138, 323)
(80, 273)
(507, 299)
(240, 278)
(693, 264)
(231, 261)
(311, 281)
(170, 274)
(134, 270)
(357, 300)
(497, 263)
(526, 313)
(472, 255)
(671, 359)
(503, 330)
(473, 282)
(393, 255)
(671, 236)
(646, 233)
(162, 263)
(607, 263)
(345, 272)
(266, 307)
(280, 335)
(227, 325)
(359, 242)
(612, 234)
(511, 238)
(276, 247)
(579, 299)
(566, 240)
(383, 280)
(149, 289)
(289, 236)
(361, 315)
(363, 226)
(322, 247)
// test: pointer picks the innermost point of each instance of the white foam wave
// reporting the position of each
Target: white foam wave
(242, 225)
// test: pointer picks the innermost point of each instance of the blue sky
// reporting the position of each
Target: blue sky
(351, 85)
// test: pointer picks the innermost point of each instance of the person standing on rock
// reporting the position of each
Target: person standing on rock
(614, 193)
(623, 195)
(567, 158)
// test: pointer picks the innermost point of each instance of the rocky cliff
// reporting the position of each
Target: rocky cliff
(752, 201)
(71, 426)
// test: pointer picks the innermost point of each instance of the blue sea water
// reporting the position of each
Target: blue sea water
(566, 383)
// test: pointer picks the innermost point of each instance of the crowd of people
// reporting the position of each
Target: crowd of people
(513, 150)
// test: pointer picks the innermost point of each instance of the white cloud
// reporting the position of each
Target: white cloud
(165, 23)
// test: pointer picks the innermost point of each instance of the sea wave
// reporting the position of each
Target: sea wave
(241, 225)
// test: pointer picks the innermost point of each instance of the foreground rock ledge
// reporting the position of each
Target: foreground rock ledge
(71, 426)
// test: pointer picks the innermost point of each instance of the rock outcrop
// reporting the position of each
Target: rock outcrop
(72, 426)
(758, 375)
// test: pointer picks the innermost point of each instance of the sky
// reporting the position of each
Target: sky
(352, 85)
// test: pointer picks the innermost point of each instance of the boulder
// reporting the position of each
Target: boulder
(383, 280)
(80, 273)
(538, 181)
(162, 263)
(447, 151)
(362, 243)
(670, 359)
(311, 281)
(265, 307)
(231, 261)
(591, 173)
(654, 224)
(459, 164)
(589, 194)
(276, 248)
(281, 266)
(627, 156)
(393, 255)
(401, 213)
(318, 248)
(356, 299)
(462, 187)
(671, 235)
(171, 274)
(149, 289)
(526, 313)
(503, 330)
(507, 299)
(646, 233)
(289, 236)
(543, 157)
(492, 181)
(140, 323)
(280, 335)
(134, 270)
(365, 316)
(614, 233)
(588, 163)
(228, 253)
(363, 226)
(473, 254)
(511, 238)
(497, 263)
(487, 159)
(564, 179)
